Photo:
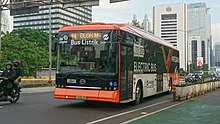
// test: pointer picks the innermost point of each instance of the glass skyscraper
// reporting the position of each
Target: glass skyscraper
(199, 32)
(187, 27)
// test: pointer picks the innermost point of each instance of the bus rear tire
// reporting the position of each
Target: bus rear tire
(138, 94)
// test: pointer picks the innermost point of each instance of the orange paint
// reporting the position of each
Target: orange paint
(93, 95)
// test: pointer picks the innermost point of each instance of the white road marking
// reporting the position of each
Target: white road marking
(152, 113)
(113, 116)
(1, 107)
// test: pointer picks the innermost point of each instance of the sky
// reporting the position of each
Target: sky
(122, 12)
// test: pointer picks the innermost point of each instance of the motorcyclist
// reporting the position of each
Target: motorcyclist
(8, 76)
(18, 73)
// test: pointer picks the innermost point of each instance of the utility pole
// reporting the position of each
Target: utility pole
(50, 61)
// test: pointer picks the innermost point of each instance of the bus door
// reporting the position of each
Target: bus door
(160, 68)
(126, 88)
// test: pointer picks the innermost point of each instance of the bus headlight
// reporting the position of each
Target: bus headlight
(115, 84)
(111, 84)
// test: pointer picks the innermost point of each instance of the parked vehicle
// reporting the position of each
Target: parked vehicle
(189, 77)
(193, 77)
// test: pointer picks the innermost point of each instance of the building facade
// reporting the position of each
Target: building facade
(199, 27)
(59, 17)
(170, 23)
(217, 54)
(5, 25)
(188, 27)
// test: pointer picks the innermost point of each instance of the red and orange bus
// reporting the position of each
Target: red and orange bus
(113, 63)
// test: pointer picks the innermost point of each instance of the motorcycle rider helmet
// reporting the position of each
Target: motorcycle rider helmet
(16, 63)
(9, 63)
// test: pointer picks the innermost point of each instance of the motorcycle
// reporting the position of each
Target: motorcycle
(13, 96)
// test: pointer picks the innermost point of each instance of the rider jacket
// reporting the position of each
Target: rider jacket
(10, 74)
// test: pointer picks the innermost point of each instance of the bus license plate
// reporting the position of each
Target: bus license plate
(81, 97)
(71, 81)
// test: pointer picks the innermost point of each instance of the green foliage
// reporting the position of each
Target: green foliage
(182, 72)
(29, 49)
(205, 67)
(36, 36)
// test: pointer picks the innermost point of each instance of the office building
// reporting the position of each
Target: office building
(199, 32)
(188, 27)
(59, 16)
(5, 25)
(170, 23)
(217, 54)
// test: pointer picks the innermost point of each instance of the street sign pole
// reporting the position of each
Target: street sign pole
(50, 61)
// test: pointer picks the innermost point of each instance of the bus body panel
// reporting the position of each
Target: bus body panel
(149, 84)
(82, 94)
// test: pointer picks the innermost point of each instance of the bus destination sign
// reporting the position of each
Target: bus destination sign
(84, 38)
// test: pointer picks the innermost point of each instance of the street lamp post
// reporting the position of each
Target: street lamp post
(50, 61)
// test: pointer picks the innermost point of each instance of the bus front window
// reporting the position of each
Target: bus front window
(99, 57)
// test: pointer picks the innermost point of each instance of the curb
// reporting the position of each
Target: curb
(32, 85)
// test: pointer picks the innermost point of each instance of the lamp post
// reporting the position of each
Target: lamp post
(50, 59)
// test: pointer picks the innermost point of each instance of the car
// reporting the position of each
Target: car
(193, 77)
(189, 77)
(196, 77)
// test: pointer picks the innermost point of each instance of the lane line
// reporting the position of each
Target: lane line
(113, 116)
(1, 107)
(129, 121)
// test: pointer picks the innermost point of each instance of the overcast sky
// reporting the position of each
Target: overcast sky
(123, 12)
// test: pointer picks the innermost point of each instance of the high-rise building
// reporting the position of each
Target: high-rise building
(5, 21)
(199, 26)
(170, 23)
(146, 24)
(217, 54)
(188, 27)
(59, 16)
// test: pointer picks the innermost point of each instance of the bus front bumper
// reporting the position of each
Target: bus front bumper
(91, 95)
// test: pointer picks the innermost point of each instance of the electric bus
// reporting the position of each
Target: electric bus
(115, 63)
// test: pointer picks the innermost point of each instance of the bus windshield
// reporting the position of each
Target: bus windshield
(87, 51)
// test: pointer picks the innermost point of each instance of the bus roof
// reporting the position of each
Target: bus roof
(114, 26)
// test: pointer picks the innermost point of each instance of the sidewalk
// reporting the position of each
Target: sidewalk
(204, 109)
(37, 89)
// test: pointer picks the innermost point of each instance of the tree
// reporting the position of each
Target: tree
(31, 55)
(36, 36)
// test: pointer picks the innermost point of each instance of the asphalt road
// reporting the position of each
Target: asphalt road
(199, 110)
(42, 108)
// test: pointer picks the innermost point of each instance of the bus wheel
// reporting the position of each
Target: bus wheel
(138, 94)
